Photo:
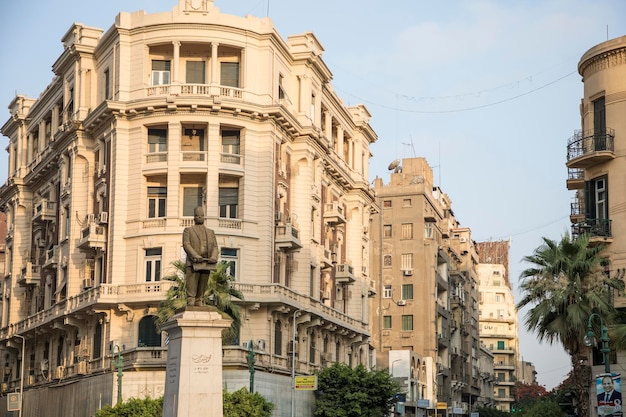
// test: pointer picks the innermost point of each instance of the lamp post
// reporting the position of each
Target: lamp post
(590, 340)
(120, 373)
(293, 364)
(22, 373)
(251, 361)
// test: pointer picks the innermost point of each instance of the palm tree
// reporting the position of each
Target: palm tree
(565, 285)
(220, 291)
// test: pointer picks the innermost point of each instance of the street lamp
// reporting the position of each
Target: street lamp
(590, 340)
(22, 373)
(120, 373)
(293, 364)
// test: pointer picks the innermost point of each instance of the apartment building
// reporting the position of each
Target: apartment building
(499, 330)
(140, 124)
(596, 165)
(427, 293)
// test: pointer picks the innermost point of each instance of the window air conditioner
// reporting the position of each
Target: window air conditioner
(401, 302)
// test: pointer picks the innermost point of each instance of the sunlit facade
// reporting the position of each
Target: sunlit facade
(141, 123)
(596, 167)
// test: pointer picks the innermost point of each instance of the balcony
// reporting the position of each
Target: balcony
(31, 275)
(325, 257)
(333, 213)
(589, 148)
(344, 274)
(52, 257)
(595, 228)
(577, 210)
(45, 211)
(287, 237)
(575, 179)
(371, 289)
(93, 237)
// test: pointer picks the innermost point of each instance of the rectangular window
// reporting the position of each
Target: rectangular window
(157, 140)
(407, 291)
(406, 202)
(429, 230)
(407, 231)
(599, 124)
(500, 344)
(161, 72)
(229, 256)
(192, 140)
(192, 198)
(231, 146)
(387, 291)
(501, 393)
(407, 322)
(195, 72)
(229, 74)
(387, 261)
(407, 261)
(228, 202)
(107, 84)
(153, 264)
(387, 204)
(596, 206)
(387, 230)
(157, 198)
(386, 322)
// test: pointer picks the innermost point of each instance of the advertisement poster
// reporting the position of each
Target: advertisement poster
(609, 391)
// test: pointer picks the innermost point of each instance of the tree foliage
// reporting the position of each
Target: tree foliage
(134, 407)
(220, 293)
(354, 392)
(566, 283)
(544, 408)
(242, 403)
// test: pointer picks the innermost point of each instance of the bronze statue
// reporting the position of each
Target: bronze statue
(202, 251)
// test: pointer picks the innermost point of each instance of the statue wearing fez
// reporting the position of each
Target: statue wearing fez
(202, 251)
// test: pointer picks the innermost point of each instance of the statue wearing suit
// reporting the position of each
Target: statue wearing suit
(202, 252)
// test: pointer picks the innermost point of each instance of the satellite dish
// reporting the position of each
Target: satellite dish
(395, 164)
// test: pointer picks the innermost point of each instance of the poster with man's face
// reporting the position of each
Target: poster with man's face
(609, 393)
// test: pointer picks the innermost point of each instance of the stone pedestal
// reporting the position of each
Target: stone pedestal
(193, 377)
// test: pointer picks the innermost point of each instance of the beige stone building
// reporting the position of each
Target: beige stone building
(596, 165)
(141, 123)
(499, 330)
(427, 302)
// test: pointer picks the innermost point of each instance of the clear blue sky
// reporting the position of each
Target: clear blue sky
(487, 91)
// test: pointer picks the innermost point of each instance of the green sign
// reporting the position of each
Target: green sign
(13, 401)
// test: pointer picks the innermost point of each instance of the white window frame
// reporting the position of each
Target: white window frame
(153, 263)
(387, 291)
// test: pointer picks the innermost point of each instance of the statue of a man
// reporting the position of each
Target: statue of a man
(202, 252)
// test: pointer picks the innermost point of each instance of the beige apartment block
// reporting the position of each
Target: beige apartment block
(141, 123)
(596, 167)
(427, 293)
(499, 330)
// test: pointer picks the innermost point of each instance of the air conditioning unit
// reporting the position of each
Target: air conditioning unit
(260, 344)
(87, 283)
(247, 345)
(103, 217)
(462, 239)
(401, 302)
(60, 371)
(278, 217)
(4, 387)
(407, 272)
(91, 218)
(31, 379)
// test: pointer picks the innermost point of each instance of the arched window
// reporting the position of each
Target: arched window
(148, 335)
(278, 338)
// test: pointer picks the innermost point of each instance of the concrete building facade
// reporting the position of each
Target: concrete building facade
(141, 123)
(427, 301)
(596, 165)
(499, 329)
